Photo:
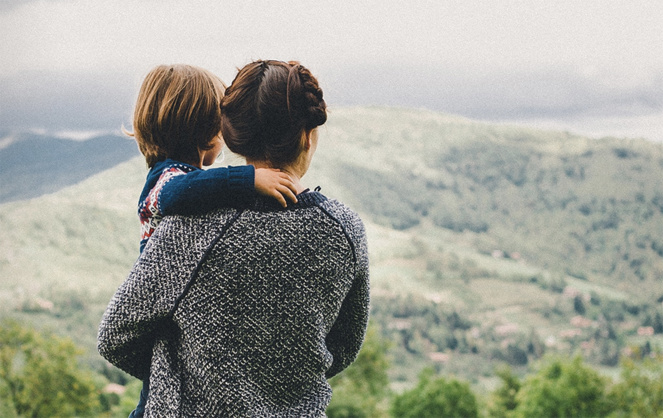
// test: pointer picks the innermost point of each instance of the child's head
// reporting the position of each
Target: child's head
(177, 113)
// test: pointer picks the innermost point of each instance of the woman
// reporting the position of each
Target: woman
(248, 311)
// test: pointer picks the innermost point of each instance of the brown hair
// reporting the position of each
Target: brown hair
(267, 108)
(177, 113)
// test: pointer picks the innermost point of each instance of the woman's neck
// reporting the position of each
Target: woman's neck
(290, 170)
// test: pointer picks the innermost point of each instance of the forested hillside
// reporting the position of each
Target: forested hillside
(591, 209)
(489, 244)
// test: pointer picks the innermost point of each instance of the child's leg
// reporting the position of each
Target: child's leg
(140, 408)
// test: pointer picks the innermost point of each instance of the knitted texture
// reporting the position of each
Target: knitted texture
(243, 312)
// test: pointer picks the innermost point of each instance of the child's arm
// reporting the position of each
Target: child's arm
(200, 191)
(203, 190)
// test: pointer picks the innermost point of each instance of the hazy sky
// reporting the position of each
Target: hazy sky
(592, 66)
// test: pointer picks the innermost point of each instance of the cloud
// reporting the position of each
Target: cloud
(478, 58)
(7, 5)
(498, 94)
(67, 100)
(80, 35)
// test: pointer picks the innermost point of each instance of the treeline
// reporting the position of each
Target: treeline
(554, 386)
(423, 332)
(558, 387)
(40, 376)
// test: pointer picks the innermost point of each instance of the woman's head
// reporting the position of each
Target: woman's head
(177, 113)
(270, 109)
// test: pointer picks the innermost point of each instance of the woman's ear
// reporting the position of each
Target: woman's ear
(307, 139)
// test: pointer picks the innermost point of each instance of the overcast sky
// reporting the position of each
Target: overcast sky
(593, 67)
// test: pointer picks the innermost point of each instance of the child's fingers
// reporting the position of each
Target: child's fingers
(288, 193)
(286, 181)
(277, 184)
(279, 197)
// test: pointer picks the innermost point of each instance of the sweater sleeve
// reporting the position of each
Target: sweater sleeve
(140, 312)
(347, 334)
(203, 190)
(128, 330)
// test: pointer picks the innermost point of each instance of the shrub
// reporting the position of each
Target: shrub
(640, 391)
(503, 399)
(39, 375)
(441, 397)
(360, 390)
(563, 389)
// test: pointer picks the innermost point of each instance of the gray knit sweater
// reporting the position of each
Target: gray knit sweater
(243, 312)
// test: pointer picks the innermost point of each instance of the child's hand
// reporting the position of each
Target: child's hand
(275, 183)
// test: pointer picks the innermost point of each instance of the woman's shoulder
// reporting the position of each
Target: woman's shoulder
(339, 207)
(347, 217)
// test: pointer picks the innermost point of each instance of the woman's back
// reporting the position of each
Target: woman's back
(261, 306)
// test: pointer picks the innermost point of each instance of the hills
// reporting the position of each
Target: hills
(488, 243)
(35, 164)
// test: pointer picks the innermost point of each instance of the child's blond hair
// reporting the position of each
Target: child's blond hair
(177, 113)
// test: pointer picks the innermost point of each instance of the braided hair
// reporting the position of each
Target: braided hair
(267, 109)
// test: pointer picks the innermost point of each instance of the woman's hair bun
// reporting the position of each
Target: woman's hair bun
(305, 99)
(267, 108)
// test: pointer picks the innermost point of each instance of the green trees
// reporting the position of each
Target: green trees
(569, 388)
(436, 397)
(640, 390)
(362, 389)
(39, 376)
(563, 389)
(503, 399)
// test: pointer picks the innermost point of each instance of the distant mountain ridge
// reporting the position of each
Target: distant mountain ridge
(33, 164)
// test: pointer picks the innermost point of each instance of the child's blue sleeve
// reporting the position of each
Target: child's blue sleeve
(203, 190)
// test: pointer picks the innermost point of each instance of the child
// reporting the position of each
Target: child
(177, 124)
